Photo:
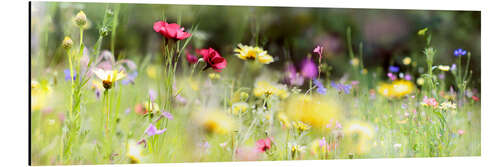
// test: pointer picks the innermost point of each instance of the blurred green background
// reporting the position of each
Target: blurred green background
(289, 34)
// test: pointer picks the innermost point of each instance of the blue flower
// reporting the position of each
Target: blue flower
(459, 52)
(67, 75)
(320, 88)
(341, 87)
(393, 68)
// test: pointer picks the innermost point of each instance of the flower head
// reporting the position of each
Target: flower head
(459, 52)
(239, 107)
(393, 69)
(214, 121)
(309, 69)
(151, 130)
(109, 77)
(319, 50)
(67, 43)
(430, 102)
(171, 31)
(406, 61)
(256, 53)
(358, 136)
(192, 59)
(317, 111)
(319, 87)
(265, 89)
(263, 145)
(341, 87)
(80, 19)
(444, 68)
(213, 59)
(134, 152)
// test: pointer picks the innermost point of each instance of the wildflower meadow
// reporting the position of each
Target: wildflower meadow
(146, 83)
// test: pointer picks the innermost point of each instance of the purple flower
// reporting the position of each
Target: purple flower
(459, 52)
(309, 69)
(341, 87)
(152, 95)
(67, 75)
(167, 115)
(127, 110)
(319, 50)
(320, 88)
(151, 130)
(393, 68)
(130, 78)
(408, 77)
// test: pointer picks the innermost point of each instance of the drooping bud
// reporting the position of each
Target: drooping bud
(67, 43)
(80, 19)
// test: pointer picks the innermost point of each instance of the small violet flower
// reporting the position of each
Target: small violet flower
(341, 87)
(67, 75)
(320, 88)
(151, 130)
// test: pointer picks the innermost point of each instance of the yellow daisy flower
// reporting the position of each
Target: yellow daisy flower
(246, 52)
(316, 111)
(266, 89)
(240, 107)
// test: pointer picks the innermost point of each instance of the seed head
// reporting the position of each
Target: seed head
(81, 19)
(67, 43)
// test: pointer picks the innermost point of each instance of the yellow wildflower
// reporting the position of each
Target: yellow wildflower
(152, 72)
(214, 121)
(398, 88)
(407, 61)
(214, 76)
(246, 52)
(266, 89)
(358, 137)
(283, 119)
(40, 94)
(240, 107)
(355, 62)
(444, 68)
(316, 111)
(420, 81)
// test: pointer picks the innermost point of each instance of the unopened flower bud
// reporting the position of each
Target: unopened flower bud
(80, 19)
(67, 43)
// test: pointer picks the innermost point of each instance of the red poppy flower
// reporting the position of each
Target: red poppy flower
(263, 144)
(172, 31)
(213, 59)
(192, 59)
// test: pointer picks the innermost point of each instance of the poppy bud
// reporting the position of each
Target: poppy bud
(80, 19)
(67, 43)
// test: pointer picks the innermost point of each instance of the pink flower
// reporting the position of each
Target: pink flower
(475, 98)
(319, 50)
(171, 31)
(263, 144)
(460, 132)
(309, 69)
(430, 102)
(151, 130)
(213, 59)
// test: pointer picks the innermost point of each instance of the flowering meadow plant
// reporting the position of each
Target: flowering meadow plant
(142, 83)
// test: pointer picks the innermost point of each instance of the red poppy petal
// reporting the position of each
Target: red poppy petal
(159, 25)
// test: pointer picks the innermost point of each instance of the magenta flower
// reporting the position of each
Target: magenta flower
(263, 144)
(322, 142)
(309, 69)
(151, 130)
(192, 59)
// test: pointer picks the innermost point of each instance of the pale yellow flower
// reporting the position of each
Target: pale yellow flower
(444, 68)
(134, 152)
(420, 81)
(355, 62)
(152, 72)
(407, 61)
(214, 76)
